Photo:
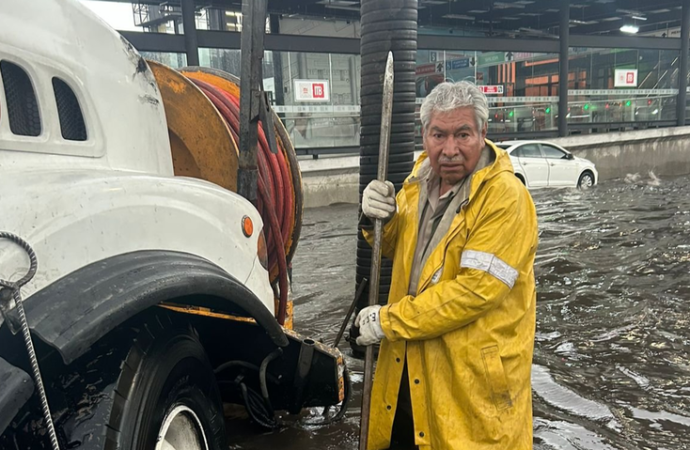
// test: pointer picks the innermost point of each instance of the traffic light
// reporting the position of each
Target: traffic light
(586, 107)
(649, 102)
(628, 103)
(608, 106)
(548, 110)
(511, 114)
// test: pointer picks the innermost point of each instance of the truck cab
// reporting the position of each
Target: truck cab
(151, 303)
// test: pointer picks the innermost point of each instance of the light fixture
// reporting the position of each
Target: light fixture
(629, 11)
(458, 16)
(639, 18)
(632, 29)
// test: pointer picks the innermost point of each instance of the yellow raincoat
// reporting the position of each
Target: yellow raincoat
(468, 334)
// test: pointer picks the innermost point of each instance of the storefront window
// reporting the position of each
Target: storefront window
(520, 86)
(620, 87)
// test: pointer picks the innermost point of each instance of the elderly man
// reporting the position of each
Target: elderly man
(457, 335)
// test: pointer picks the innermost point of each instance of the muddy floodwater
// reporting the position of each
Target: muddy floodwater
(612, 355)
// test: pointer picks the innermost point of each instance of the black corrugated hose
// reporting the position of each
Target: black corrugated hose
(387, 25)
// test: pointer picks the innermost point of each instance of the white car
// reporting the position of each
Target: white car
(543, 164)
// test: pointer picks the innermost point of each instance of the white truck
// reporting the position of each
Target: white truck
(151, 304)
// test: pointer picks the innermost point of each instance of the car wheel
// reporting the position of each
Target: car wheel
(586, 180)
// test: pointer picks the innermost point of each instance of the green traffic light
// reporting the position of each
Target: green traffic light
(511, 114)
(586, 107)
(628, 103)
(548, 110)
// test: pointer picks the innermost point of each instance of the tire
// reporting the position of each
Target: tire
(397, 88)
(393, 14)
(384, 46)
(586, 180)
(385, 36)
(165, 379)
(400, 97)
(368, 7)
(377, 27)
(375, 79)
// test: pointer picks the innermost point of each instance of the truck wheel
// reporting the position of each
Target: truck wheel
(167, 397)
(147, 386)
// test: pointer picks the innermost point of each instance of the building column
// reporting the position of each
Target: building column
(564, 39)
(189, 24)
(278, 79)
(683, 76)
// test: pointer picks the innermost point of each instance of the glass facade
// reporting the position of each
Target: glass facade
(622, 86)
(609, 89)
(174, 60)
(332, 120)
(521, 87)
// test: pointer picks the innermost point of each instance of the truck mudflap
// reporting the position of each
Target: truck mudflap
(16, 386)
(305, 373)
(320, 373)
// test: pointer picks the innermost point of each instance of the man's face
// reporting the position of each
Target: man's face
(454, 144)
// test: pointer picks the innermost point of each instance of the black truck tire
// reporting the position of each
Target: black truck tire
(144, 376)
(173, 386)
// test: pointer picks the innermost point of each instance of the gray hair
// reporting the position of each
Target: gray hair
(448, 96)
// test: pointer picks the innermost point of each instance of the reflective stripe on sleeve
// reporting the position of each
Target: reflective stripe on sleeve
(490, 264)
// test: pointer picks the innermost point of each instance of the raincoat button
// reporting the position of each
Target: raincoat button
(421, 434)
(388, 407)
(416, 381)
(397, 359)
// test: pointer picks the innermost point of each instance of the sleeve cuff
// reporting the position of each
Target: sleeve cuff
(386, 325)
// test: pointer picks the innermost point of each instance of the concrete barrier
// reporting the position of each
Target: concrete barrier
(664, 151)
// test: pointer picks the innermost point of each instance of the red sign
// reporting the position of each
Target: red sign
(318, 90)
(492, 89)
(630, 77)
(424, 69)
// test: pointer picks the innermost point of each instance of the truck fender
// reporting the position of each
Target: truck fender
(77, 310)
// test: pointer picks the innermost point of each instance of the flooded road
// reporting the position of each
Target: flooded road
(612, 355)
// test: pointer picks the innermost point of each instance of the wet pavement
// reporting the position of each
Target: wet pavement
(611, 364)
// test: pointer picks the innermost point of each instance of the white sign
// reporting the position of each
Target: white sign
(312, 91)
(626, 78)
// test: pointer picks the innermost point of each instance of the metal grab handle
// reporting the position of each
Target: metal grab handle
(15, 288)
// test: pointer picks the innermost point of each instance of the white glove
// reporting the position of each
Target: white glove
(378, 200)
(369, 323)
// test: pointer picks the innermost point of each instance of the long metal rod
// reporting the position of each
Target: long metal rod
(384, 147)
(564, 69)
(683, 77)
(253, 30)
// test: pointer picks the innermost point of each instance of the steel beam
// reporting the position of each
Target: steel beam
(683, 76)
(253, 29)
(160, 42)
(190, 39)
(564, 35)
(278, 65)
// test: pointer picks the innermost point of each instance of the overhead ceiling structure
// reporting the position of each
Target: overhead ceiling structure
(519, 18)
